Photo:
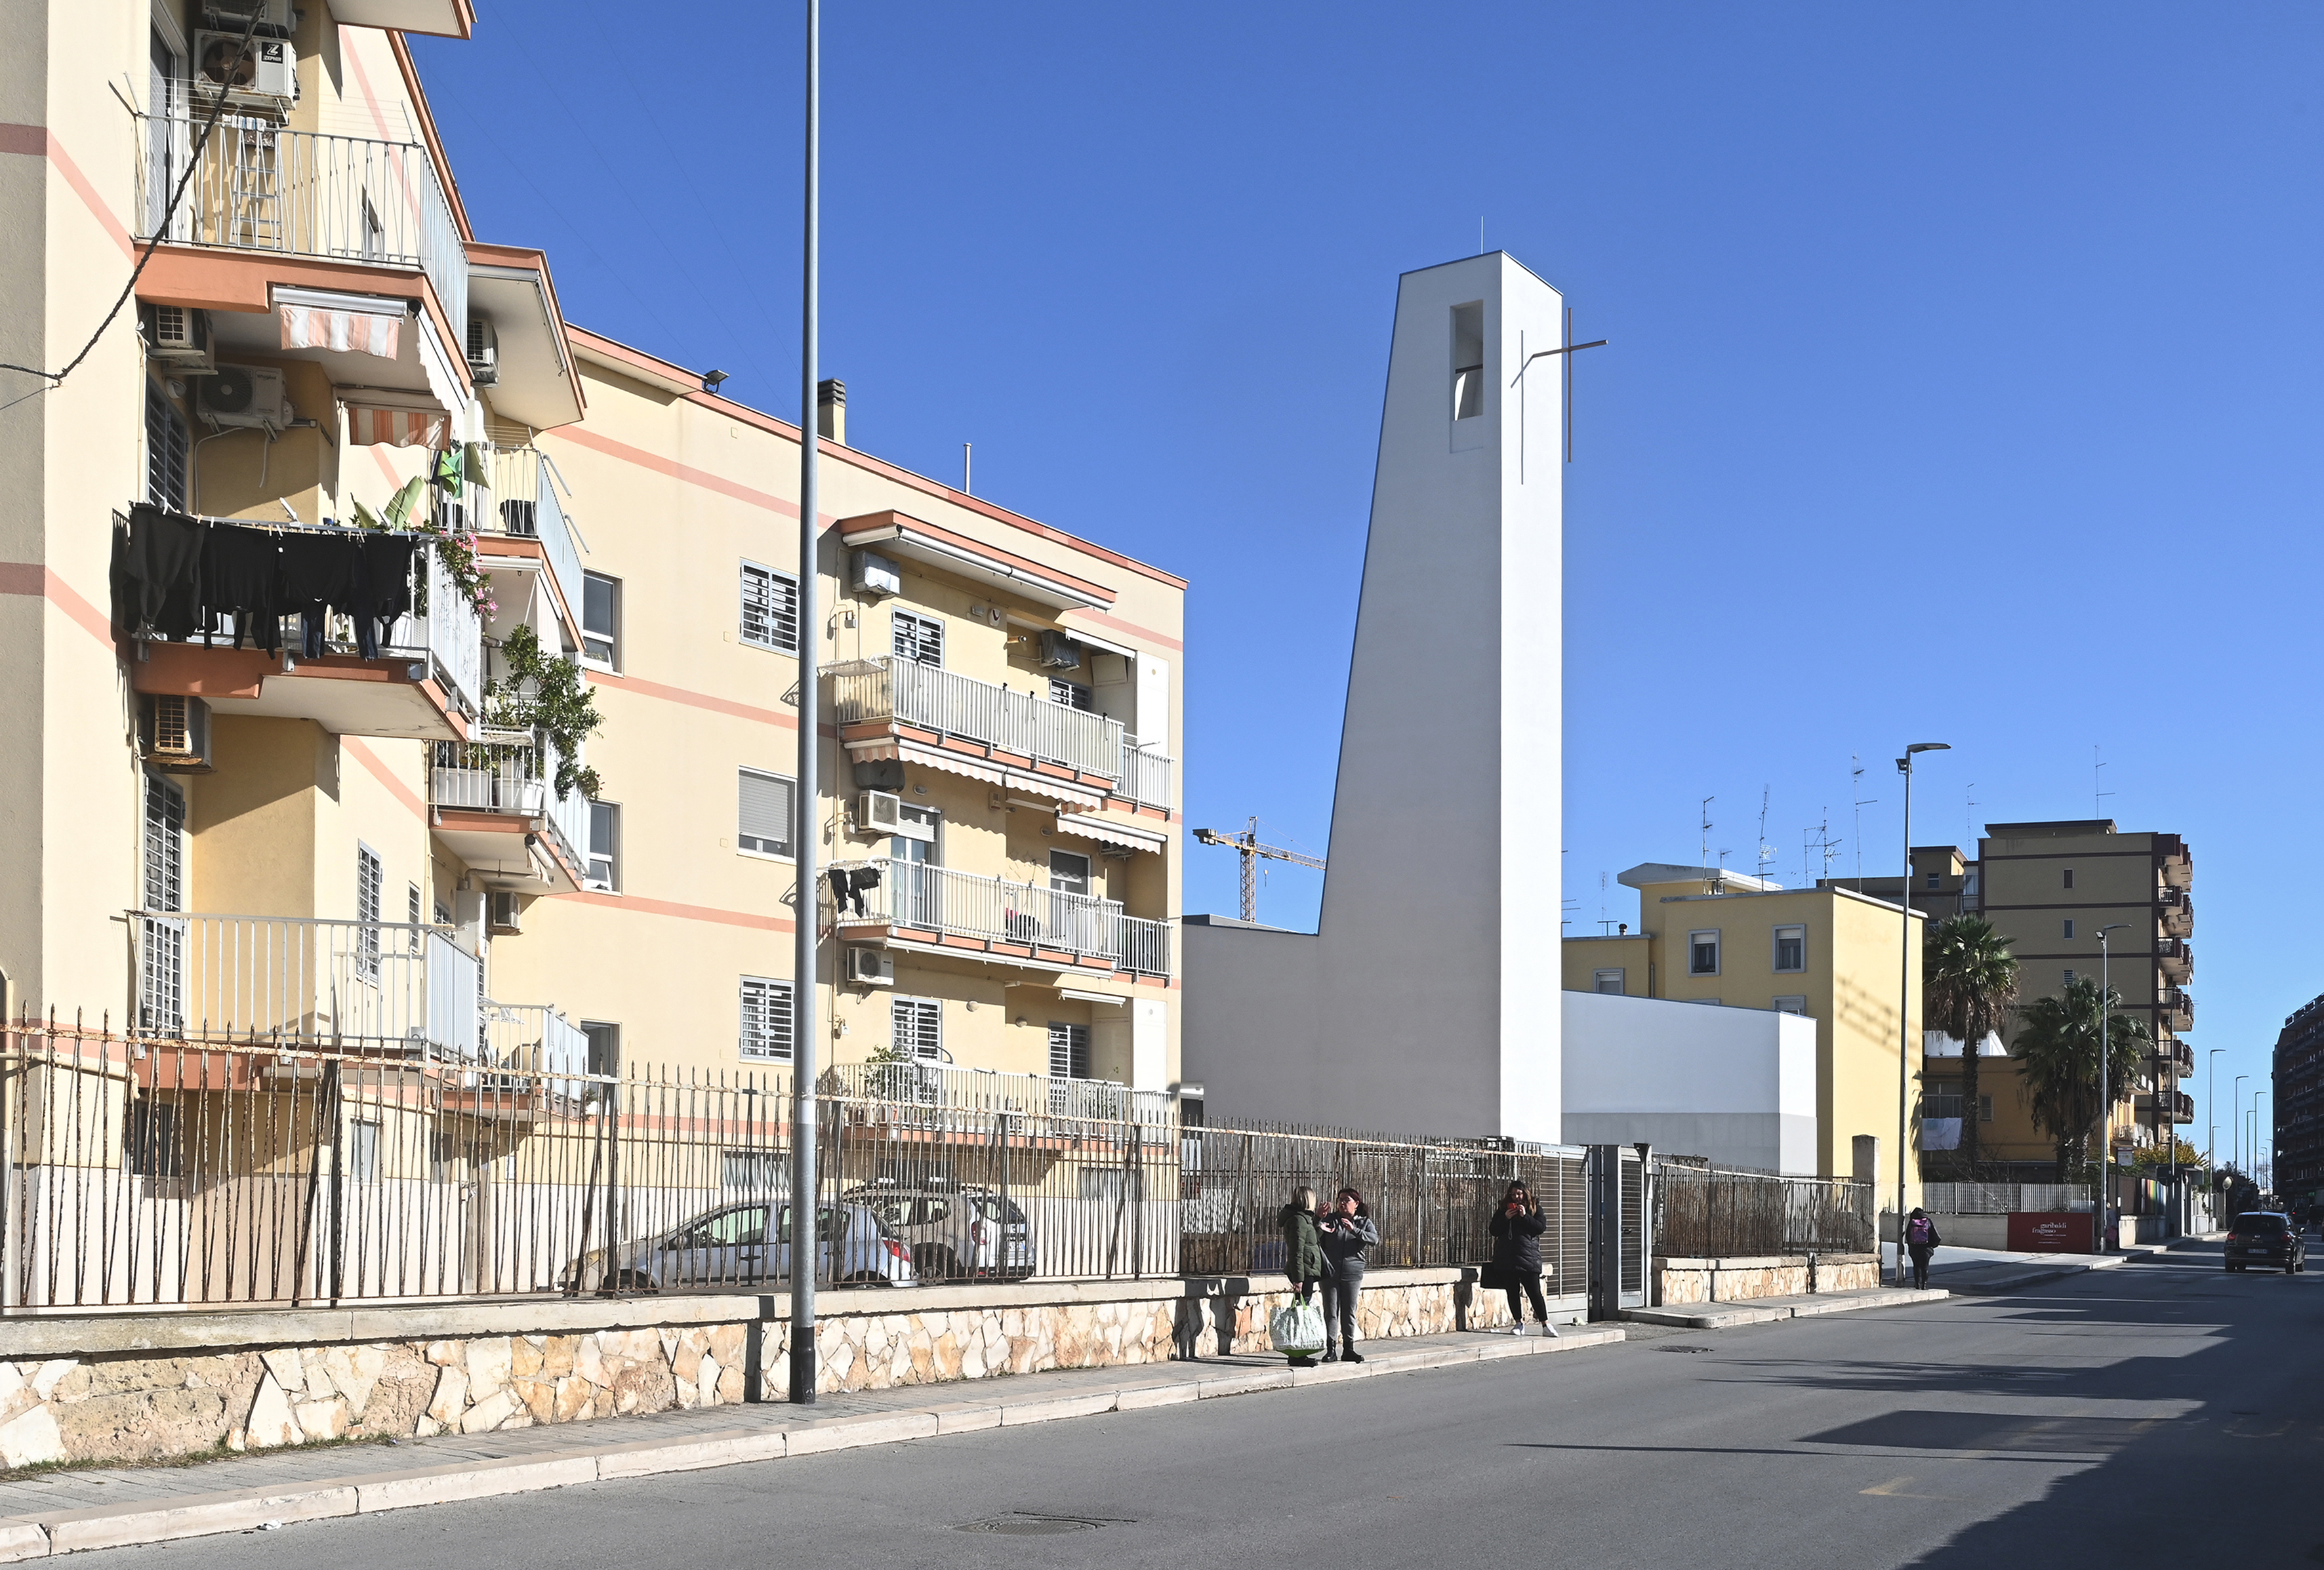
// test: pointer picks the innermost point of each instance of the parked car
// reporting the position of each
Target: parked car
(2267, 1237)
(956, 1232)
(729, 1246)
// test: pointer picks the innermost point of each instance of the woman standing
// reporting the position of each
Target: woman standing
(1347, 1231)
(1517, 1227)
(1303, 1253)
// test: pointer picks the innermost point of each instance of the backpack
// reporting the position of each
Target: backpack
(1920, 1232)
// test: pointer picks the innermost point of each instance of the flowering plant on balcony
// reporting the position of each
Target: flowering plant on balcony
(544, 692)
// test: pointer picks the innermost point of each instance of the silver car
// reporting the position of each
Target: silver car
(955, 1232)
(729, 1246)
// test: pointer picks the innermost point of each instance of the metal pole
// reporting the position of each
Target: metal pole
(2106, 1103)
(1904, 1012)
(2212, 1108)
(806, 795)
(2236, 1129)
(2257, 1129)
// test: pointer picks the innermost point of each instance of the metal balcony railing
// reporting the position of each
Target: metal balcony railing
(515, 777)
(444, 625)
(1147, 776)
(939, 899)
(519, 500)
(531, 1038)
(892, 689)
(256, 186)
(372, 988)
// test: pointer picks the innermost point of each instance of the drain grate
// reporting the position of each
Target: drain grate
(1023, 1524)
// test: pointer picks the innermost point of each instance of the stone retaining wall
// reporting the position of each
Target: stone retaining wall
(1740, 1280)
(122, 1387)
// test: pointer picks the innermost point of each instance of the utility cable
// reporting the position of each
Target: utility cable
(193, 160)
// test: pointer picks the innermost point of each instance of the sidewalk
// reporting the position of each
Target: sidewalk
(59, 1513)
(1966, 1271)
(1766, 1310)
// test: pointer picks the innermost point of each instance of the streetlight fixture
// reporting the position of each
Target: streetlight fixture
(1905, 993)
(2106, 1098)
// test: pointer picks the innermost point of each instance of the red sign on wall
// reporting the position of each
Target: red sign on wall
(2050, 1231)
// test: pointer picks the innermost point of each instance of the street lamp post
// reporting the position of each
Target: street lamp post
(2211, 1111)
(2256, 1097)
(2106, 1091)
(2235, 1158)
(1904, 994)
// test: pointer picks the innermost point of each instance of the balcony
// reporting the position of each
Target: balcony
(259, 187)
(492, 801)
(370, 988)
(2176, 959)
(2181, 1105)
(1069, 754)
(2178, 1010)
(517, 516)
(423, 679)
(2177, 914)
(1022, 924)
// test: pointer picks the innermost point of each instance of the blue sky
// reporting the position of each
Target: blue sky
(1961, 388)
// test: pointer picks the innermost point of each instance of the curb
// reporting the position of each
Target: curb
(35, 1537)
(1723, 1316)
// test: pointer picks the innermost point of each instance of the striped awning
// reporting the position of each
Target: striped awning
(375, 426)
(317, 326)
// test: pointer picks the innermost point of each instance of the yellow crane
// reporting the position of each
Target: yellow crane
(1247, 844)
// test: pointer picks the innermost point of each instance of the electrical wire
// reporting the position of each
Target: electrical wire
(55, 378)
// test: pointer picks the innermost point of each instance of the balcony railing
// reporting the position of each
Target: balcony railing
(373, 987)
(906, 691)
(519, 500)
(1147, 776)
(256, 186)
(531, 1038)
(994, 910)
(443, 624)
(518, 778)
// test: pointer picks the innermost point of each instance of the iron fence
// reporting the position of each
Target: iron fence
(1432, 1200)
(2001, 1199)
(1705, 1212)
(142, 1171)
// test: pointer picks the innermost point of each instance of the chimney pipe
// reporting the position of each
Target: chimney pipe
(831, 409)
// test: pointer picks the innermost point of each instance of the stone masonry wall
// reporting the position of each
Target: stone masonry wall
(1737, 1280)
(143, 1406)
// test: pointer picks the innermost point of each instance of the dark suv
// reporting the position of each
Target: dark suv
(2267, 1237)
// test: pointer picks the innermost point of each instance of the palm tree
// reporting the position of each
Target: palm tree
(1969, 980)
(2057, 1043)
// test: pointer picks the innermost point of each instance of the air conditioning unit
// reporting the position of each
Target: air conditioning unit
(263, 76)
(874, 574)
(484, 352)
(504, 911)
(275, 17)
(1059, 652)
(178, 335)
(175, 733)
(870, 967)
(246, 395)
(878, 812)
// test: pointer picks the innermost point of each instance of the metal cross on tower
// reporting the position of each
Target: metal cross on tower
(1247, 844)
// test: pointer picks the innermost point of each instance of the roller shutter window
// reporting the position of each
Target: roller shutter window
(765, 826)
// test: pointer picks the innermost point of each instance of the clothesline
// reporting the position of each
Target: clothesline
(286, 526)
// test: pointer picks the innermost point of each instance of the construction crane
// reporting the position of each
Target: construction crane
(1247, 844)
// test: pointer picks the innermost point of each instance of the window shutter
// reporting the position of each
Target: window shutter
(766, 813)
(766, 1018)
(918, 1023)
(769, 607)
(1069, 1051)
(918, 638)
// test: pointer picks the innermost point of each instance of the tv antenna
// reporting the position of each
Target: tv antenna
(2097, 796)
(1767, 852)
(1705, 860)
(1856, 789)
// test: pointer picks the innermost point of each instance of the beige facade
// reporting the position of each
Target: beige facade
(385, 826)
(1711, 937)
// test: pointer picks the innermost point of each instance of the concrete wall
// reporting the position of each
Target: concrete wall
(1424, 1001)
(1735, 1085)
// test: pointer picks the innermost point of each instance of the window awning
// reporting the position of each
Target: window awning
(1090, 826)
(349, 322)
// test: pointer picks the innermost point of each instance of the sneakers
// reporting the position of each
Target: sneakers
(1518, 1328)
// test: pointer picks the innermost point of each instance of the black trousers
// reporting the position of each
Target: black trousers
(1531, 1287)
(1921, 1266)
(1340, 1293)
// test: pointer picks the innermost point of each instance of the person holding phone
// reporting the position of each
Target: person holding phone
(1517, 1227)
(1346, 1233)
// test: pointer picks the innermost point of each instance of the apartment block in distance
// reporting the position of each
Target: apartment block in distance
(1711, 937)
(2299, 1116)
(287, 764)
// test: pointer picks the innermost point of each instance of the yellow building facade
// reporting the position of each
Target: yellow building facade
(280, 543)
(1723, 938)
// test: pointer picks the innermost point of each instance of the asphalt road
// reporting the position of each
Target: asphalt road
(2164, 1413)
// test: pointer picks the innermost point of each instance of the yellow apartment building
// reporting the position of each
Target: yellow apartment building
(299, 558)
(1722, 937)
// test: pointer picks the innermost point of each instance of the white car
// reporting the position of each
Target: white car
(729, 1246)
(956, 1232)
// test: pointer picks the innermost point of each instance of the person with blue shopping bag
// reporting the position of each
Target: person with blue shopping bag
(1296, 1329)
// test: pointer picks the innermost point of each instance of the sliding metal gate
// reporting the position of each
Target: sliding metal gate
(1618, 1209)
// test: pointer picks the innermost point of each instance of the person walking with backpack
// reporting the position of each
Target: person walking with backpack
(1517, 1227)
(1345, 1234)
(1302, 1254)
(1921, 1240)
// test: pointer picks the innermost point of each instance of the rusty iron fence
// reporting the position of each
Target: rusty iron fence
(1702, 1211)
(143, 1172)
(1431, 1200)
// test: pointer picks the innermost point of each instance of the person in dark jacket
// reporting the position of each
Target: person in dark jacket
(1517, 1227)
(1921, 1241)
(1345, 1234)
(1303, 1253)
